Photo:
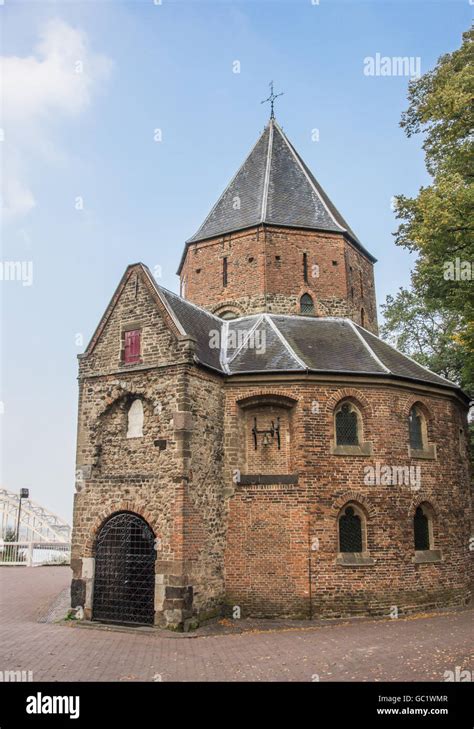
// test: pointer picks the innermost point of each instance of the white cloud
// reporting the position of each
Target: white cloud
(17, 199)
(39, 91)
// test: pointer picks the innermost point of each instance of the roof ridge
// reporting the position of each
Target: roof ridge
(369, 348)
(268, 165)
(303, 167)
(226, 188)
(163, 300)
(286, 344)
(189, 303)
(223, 349)
(247, 337)
(454, 384)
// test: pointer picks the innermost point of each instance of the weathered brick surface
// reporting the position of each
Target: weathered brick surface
(265, 273)
(282, 541)
(269, 548)
(176, 489)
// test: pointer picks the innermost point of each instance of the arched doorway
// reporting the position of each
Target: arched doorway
(124, 582)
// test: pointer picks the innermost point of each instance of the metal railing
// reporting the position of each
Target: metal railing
(34, 554)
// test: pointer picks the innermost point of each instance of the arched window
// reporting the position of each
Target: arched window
(422, 528)
(350, 530)
(347, 425)
(362, 317)
(227, 314)
(416, 426)
(306, 304)
(135, 419)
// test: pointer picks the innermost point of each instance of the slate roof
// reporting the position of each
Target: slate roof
(274, 186)
(264, 343)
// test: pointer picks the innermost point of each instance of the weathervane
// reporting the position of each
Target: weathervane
(271, 99)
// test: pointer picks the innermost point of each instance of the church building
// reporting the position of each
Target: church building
(251, 447)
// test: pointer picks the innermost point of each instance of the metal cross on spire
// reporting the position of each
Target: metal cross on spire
(271, 99)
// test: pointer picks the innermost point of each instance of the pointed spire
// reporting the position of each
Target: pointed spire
(274, 186)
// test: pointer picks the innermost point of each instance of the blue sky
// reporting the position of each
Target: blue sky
(87, 131)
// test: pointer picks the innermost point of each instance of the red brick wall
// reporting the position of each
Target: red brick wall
(265, 273)
(271, 528)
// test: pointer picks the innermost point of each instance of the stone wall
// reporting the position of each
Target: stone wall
(170, 475)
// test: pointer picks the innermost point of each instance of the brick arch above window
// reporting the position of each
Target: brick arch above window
(264, 398)
(228, 307)
(358, 398)
(121, 392)
(257, 392)
(125, 397)
(353, 497)
(134, 507)
(419, 402)
(423, 499)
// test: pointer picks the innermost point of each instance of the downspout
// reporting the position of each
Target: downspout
(310, 551)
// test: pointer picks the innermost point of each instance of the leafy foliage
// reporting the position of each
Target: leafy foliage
(429, 335)
(439, 223)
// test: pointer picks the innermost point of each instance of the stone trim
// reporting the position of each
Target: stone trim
(363, 449)
(427, 556)
(354, 559)
(428, 453)
(272, 478)
(262, 379)
(260, 488)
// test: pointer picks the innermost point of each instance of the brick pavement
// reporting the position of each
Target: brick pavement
(410, 649)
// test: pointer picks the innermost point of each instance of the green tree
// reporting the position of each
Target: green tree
(428, 335)
(438, 225)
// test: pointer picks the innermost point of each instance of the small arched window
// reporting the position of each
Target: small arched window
(362, 317)
(415, 428)
(306, 304)
(135, 419)
(422, 528)
(347, 425)
(227, 314)
(350, 530)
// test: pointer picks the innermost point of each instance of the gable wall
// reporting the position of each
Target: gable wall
(169, 476)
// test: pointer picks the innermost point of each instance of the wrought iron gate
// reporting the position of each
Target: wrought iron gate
(124, 583)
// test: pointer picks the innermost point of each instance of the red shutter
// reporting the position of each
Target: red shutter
(132, 346)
